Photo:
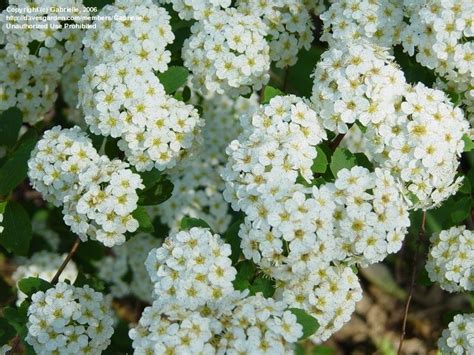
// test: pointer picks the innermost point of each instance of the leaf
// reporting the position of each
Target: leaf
(269, 93)
(465, 187)
(362, 160)
(10, 124)
(320, 163)
(15, 169)
(7, 332)
(309, 323)
(231, 236)
(342, 159)
(265, 285)
(157, 193)
(31, 285)
(17, 230)
(173, 78)
(245, 273)
(85, 279)
(322, 350)
(150, 178)
(187, 223)
(468, 143)
(144, 220)
(461, 210)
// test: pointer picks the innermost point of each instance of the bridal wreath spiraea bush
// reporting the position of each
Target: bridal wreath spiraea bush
(219, 171)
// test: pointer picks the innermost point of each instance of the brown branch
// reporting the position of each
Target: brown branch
(73, 250)
(336, 141)
(421, 236)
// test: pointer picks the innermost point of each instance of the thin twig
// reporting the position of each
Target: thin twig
(336, 141)
(65, 262)
(421, 236)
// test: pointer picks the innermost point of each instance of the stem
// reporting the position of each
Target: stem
(336, 141)
(73, 250)
(421, 236)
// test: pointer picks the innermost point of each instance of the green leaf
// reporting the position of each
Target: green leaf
(465, 187)
(85, 279)
(7, 332)
(362, 160)
(157, 193)
(322, 350)
(17, 230)
(187, 223)
(173, 78)
(150, 178)
(231, 236)
(342, 159)
(15, 169)
(320, 163)
(10, 124)
(269, 93)
(309, 323)
(468, 143)
(245, 273)
(144, 220)
(31, 285)
(461, 210)
(265, 285)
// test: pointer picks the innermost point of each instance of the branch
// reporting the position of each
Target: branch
(421, 236)
(336, 141)
(73, 250)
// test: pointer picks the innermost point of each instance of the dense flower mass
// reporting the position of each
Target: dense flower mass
(128, 259)
(289, 27)
(191, 268)
(48, 49)
(98, 195)
(421, 144)
(44, 265)
(255, 325)
(227, 53)
(440, 33)
(348, 20)
(198, 187)
(327, 293)
(449, 259)
(356, 82)
(69, 319)
(458, 338)
(196, 9)
(123, 101)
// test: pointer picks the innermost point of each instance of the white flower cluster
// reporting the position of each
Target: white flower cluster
(458, 338)
(348, 20)
(421, 144)
(128, 258)
(197, 310)
(49, 48)
(43, 264)
(120, 94)
(441, 34)
(449, 260)
(29, 89)
(198, 187)
(329, 294)
(121, 100)
(196, 9)
(191, 268)
(356, 82)
(227, 53)
(289, 26)
(254, 325)
(98, 195)
(67, 319)
(138, 34)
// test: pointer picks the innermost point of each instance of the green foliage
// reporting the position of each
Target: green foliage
(14, 171)
(342, 159)
(144, 221)
(7, 332)
(31, 285)
(468, 143)
(158, 188)
(10, 124)
(17, 231)
(320, 163)
(86, 279)
(231, 236)
(263, 284)
(309, 323)
(188, 222)
(173, 78)
(269, 93)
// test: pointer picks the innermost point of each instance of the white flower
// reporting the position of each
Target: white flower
(458, 337)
